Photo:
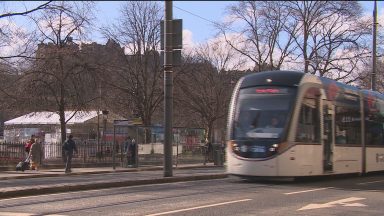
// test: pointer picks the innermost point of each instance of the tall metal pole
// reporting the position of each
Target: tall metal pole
(168, 90)
(98, 121)
(373, 80)
(113, 147)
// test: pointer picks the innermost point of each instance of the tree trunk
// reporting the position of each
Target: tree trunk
(209, 128)
(62, 126)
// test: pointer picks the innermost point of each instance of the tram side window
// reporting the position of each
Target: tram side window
(348, 124)
(374, 122)
(308, 125)
(374, 132)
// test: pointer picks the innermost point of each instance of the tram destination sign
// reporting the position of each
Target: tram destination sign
(272, 90)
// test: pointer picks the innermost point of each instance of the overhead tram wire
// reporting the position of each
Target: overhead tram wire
(205, 19)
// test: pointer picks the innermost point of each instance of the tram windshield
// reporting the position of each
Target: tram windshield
(262, 112)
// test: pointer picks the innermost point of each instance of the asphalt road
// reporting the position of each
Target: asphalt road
(352, 196)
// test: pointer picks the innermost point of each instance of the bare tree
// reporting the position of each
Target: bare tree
(365, 81)
(327, 38)
(330, 37)
(16, 42)
(220, 54)
(137, 81)
(25, 12)
(199, 93)
(204, 85)
(260, 33)
(57, 79)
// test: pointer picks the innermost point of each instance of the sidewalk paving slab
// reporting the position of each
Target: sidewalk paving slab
(80, 171)
(132, 177)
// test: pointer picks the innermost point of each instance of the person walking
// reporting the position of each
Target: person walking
(132, 150)
(210, 151)
(127, 146)
(35, 155)
(207, 151)
(69, 147)
(29, 144)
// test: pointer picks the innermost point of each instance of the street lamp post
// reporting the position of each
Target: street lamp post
(114, 147)
(374, 31)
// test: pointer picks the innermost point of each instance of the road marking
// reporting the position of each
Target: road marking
(15, 214)
(306, 191)
(199, 207)
(24, 214)
(85, 191)
(342, 202)
(363, 183)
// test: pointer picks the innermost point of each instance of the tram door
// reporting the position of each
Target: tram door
(328, 113)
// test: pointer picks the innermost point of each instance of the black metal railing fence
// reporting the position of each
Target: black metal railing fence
(91, 153)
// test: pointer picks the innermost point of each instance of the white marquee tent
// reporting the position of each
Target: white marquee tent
(46, 124)
(51, 118)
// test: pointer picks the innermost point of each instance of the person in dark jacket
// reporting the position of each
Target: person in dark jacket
(209, 151)
(132, 151)
(69, 147)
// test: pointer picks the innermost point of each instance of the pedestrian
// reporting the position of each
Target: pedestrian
(207, 151)
(210, 151)
(132, 151)
(35, 155)
(28, 144)
(127, 144)
(69, 147)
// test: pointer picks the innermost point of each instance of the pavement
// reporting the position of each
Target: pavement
(46, 181)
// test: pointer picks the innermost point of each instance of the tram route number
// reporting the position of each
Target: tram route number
(379, 158)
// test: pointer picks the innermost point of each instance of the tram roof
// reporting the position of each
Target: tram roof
(376, 94)
(293, 78)
(279, 78)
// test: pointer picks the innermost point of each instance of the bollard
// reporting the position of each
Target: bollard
(218, 158)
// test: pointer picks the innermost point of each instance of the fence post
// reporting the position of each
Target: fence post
(84, 152)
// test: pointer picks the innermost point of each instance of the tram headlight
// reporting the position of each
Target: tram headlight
(234, 146)
(274, 147)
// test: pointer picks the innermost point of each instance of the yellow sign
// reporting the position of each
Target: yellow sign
(137, 121)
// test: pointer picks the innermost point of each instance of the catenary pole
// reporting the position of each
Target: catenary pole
(168, 90)
(373, 79)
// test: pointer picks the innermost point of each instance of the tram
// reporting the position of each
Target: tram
(292, 124)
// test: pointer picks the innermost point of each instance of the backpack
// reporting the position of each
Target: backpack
(66, 146)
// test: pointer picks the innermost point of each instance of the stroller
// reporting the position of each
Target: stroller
(23, 165)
